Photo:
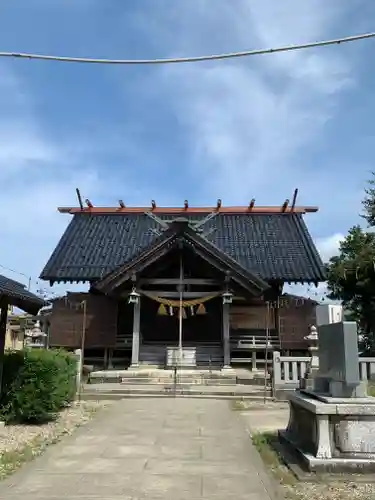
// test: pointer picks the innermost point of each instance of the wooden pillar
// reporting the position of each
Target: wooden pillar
(110, 357)
(136, 328)
(105, 358)
(45, 330)
(277, 320)
(226, 340)
(3, 328)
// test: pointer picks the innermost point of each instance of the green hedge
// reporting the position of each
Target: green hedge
(36, 384)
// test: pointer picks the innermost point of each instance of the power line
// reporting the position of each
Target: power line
(18, 272)
(214, 57)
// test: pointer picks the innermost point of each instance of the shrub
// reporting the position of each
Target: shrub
(36, 384)
(12, 363)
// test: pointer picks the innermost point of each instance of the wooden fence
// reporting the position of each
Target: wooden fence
(287, 371)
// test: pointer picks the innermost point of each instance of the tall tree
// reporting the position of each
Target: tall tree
(351, 274)
(369, 202)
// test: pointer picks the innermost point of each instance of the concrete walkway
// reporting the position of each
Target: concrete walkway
(149, 449)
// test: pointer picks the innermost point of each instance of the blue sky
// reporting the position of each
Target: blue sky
(253, 127)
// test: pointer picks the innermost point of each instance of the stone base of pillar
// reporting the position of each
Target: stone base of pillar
(228, 371)
(331, 435)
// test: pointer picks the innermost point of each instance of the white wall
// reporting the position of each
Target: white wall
(328, 313)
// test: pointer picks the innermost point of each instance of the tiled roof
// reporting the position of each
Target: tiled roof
(274, 246)
(18, 296)
(181, 232)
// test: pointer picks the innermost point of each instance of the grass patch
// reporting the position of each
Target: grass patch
(10, 461)
(293, 489)
(371, 389)
(264, 443)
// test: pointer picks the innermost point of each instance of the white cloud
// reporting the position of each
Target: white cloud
(37, 175)
(39, 172)
(22, 144)
(329, 246)
(249, 120)
(292, 22)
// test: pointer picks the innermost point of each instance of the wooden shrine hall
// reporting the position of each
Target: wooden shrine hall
(188, 286)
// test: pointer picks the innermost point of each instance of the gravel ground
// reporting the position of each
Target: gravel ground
(261, 418)
(331, 491)
(20, 443)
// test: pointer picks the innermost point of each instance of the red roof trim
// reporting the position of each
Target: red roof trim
(189, 210)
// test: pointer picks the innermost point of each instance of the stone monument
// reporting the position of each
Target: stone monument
(332, 420)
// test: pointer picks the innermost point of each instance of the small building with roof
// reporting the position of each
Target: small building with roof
(14, 294)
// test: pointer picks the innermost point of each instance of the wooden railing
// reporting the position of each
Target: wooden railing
(288, 370)
(249, 341)
(124, 340)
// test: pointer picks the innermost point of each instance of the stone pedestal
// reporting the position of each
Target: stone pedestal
(332, 434)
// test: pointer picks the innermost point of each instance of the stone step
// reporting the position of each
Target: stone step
(161, 380)
(118, 391)
(170, 374)
(170, 380)
(161, 376)
(257, 380)
(197, 377)
(183, 380)
(103, 396)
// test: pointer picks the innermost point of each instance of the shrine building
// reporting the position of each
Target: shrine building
(199, 285)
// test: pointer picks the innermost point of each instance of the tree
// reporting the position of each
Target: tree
(351, 274)
(351, 277)
(369, 202)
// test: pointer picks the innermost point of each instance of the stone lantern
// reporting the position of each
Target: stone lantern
(313, 348)
(36, 337)
(307, 381)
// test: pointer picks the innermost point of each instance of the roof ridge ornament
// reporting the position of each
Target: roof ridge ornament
(157, 219)
(295, 194)
(208, 217)
(250, 208)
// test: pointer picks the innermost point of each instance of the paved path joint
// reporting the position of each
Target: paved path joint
(149, 449)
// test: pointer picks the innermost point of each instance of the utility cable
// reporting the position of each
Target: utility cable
(214, 57)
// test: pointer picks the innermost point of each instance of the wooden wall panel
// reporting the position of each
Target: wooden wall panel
(67, 321)
(250, 318)
(295, 319)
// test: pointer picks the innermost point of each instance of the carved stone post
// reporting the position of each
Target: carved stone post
(313, 348)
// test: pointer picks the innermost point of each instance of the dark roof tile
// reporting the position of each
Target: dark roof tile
(275, 246)
(18, 296)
